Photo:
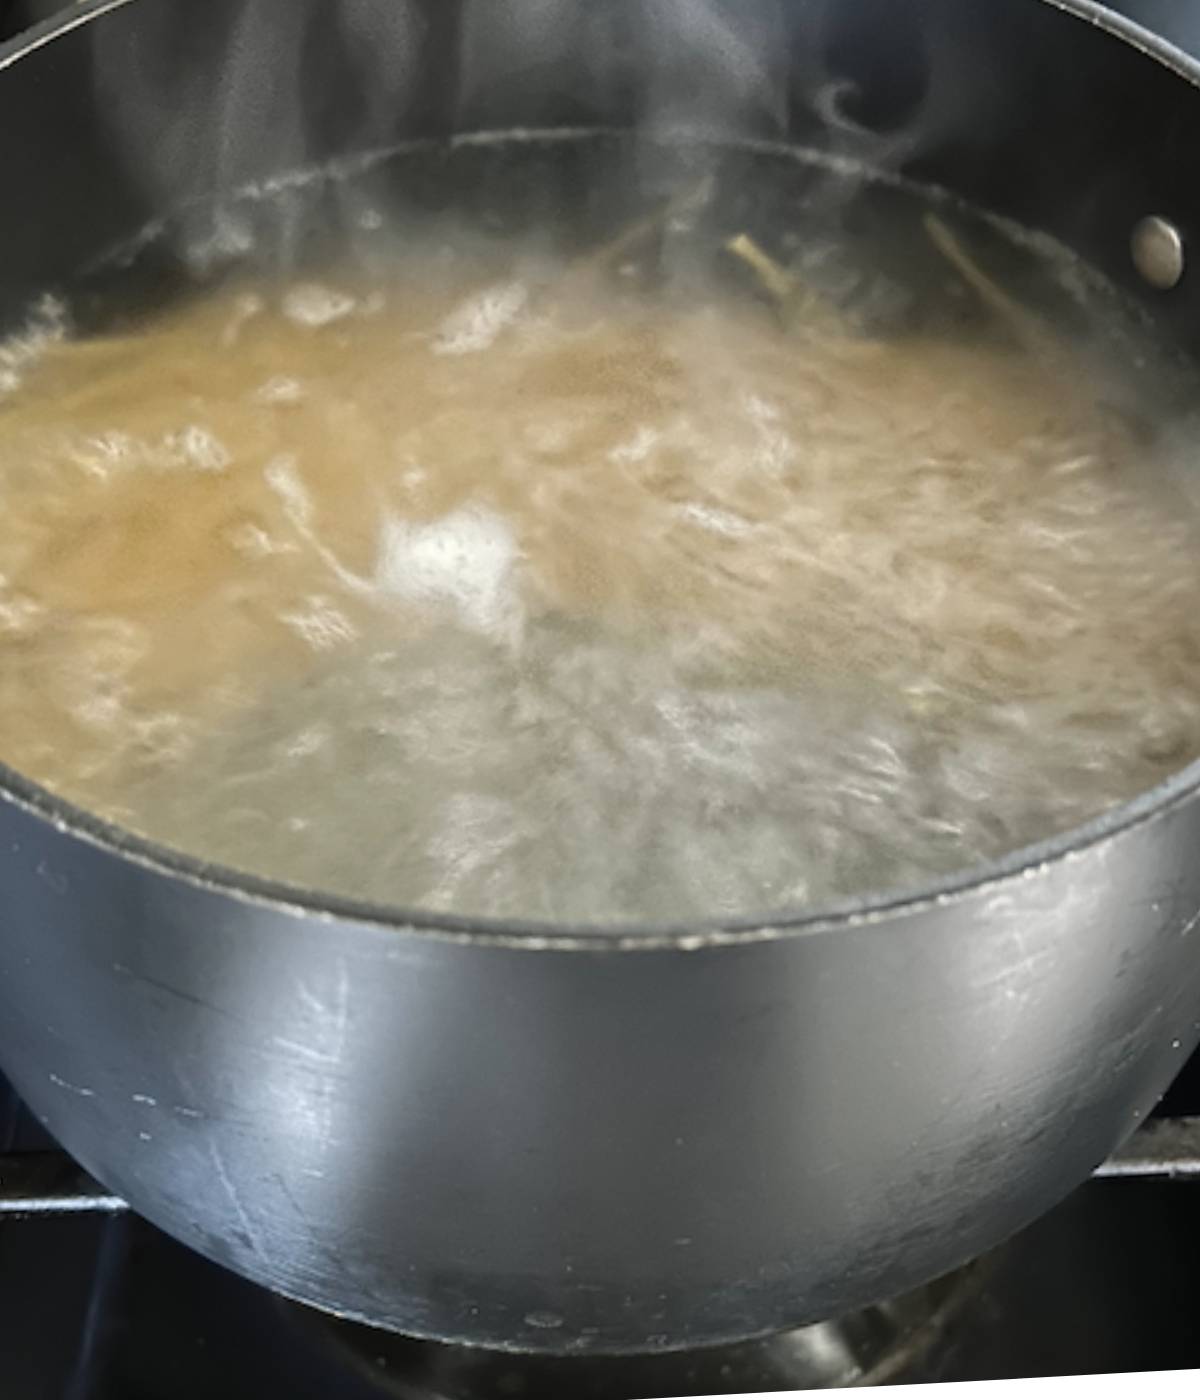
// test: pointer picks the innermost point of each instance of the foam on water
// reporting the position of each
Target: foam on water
(466, 559)
(475, 584)
(45, 328)
(311, 304)
(475, 326)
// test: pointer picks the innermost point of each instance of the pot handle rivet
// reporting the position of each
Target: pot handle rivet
(1158, 252)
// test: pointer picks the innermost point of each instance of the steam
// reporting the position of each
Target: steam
(204, 101)
(683, 66)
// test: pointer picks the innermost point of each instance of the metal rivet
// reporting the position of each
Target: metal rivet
(1158, 253)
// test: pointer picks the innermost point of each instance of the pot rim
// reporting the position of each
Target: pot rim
(985, 880)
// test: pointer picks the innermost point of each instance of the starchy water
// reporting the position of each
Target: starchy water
(695, 574)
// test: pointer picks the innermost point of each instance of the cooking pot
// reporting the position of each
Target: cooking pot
(574, 1139)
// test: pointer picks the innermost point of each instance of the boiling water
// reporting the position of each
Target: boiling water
(717, 571)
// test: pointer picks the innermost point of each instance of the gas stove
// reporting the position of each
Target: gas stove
(98, 1305)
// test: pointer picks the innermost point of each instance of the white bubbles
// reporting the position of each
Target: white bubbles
(309, 741)
(197, 448)
(465, 559)
(46, 326)
(716, 521)
(776, 449)
(282, 475)
(474, 832)
(478, 323)
(109, 647)
(252, 542)
(106, 453)
(320, 623)
(245, 309)
(314, 305)
(280, 389)
(92, 677)
(638, 447)
(192, 448)
(165, 739)
(20, 614)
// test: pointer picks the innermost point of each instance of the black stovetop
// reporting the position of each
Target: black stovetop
(107, 1308)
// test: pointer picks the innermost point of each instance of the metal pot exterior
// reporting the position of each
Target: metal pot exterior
(575, 1149)
(572, 1144)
